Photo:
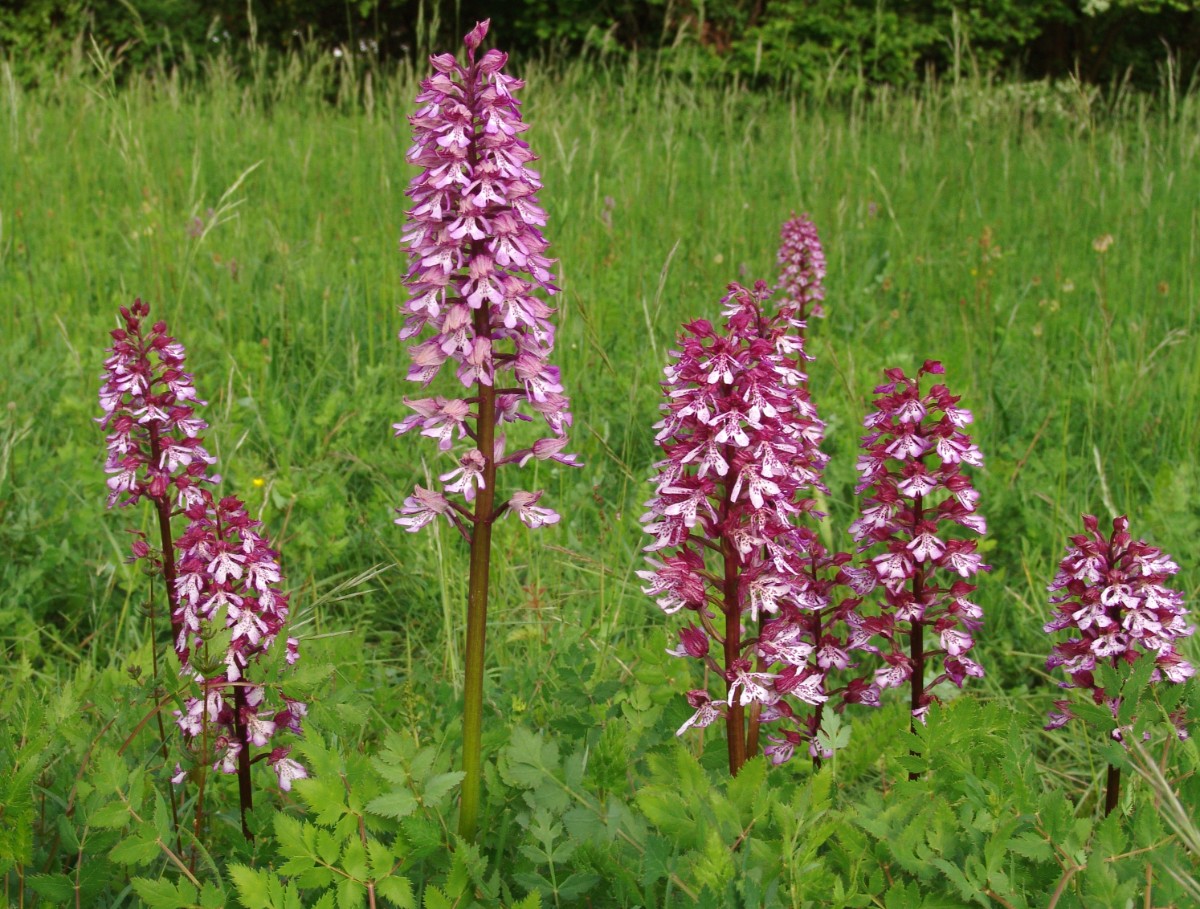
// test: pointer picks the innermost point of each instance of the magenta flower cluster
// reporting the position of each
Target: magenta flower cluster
(740, 436)
(801, 261)
(229, 579)
(917, 494)
(477, 258)
(155, 449)
(1110, 593)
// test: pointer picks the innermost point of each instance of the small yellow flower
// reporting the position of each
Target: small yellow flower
(258, 482)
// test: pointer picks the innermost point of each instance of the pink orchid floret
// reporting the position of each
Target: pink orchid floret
(229, 579)
(740, 437)
(918, 501)
(1110, 593)
(477, 262)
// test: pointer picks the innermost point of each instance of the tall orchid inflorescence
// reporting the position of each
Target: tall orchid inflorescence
(155, 450)
(229, 581)
(477, 258)
(917, 494)
(740, 437)
(801, 269)
(1111, 593)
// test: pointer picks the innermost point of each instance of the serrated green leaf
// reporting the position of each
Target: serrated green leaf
(436, 899)
(528, 759)
(440, 785)
(395, 804)
(1031, 845)
(110, 816)
(354, 859)
(136, 849)
(251, 886)
(350, 894)
(532, 901)
(746, 789)
(396, 890)
(325, 796)
(58, 888)
(211, 896)
(380, 859)
(966, 889)
(164, 894)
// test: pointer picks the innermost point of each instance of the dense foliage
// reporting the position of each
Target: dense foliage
(828, 44)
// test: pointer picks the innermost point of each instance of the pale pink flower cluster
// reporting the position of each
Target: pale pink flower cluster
(154, 445)
(917, 495)
(228, 580)
(477, 257)
(740, 436)
(1111, 594)
(801, 286)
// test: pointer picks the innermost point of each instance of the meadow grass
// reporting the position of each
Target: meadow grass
(261, 217)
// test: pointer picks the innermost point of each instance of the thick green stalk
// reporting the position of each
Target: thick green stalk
(477, 601)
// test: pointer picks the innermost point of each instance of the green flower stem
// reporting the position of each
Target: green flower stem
(477, 601)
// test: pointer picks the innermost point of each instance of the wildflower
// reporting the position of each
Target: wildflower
(739, 434)
(476, 276)
(229, 580)
(1110, 592)
(912, 471)
(802, 269)
(155, 449)
(154, 443)
(476, 260)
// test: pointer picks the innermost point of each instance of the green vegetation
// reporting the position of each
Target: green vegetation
(259, 213)
(851, 43)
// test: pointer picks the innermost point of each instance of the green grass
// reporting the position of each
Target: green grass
(958, 224)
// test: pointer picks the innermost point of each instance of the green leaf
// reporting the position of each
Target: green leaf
(528, 760)
(395, 804)
(380, 859)
(58, 888)
(350, 894)
(211, 896)
(251, 886)
(437, 787)
(354, 859)
(137, 849)
(533, 900)
(163, 894)
(325, 796)
(397, 891)
(1031, 845)
(436, 899)
(112, 815)
(965, 888)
